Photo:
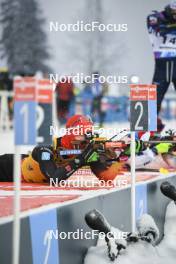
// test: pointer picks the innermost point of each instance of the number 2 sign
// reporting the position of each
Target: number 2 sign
(25, 111)
(143, 107)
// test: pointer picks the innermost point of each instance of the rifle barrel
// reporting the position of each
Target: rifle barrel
(160, 141)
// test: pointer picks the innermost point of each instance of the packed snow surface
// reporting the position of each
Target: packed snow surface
(142, 252)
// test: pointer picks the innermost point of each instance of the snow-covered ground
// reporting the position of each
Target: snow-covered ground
(7, 143)
(142, 252)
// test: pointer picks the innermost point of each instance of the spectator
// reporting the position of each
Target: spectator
(98, 91)
(6, 84)
(5, 80)
(64, 96)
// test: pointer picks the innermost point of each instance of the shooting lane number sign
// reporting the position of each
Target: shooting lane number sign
(143, 107)
(25, 111)
(32, 110)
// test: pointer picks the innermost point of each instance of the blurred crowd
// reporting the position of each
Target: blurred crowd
(66, 91)
(89, 98)
(67, 96)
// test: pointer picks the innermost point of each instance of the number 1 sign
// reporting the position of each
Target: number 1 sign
(25, 111)
(143, 107)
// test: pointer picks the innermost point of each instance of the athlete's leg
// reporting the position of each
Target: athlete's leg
(174, 73)
(6, 168)
(161, 79)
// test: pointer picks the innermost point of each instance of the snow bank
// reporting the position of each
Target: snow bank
(142, 252)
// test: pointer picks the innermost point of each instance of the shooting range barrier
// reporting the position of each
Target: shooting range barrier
(64, 210)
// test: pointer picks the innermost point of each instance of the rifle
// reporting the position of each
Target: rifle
(108, 146)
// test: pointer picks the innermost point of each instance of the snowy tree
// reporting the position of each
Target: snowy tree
(96, 50)
(85, 45)
(23, 41)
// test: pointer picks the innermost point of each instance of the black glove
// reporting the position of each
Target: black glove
(89, 155)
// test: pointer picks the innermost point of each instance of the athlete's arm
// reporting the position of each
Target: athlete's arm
(44, 156)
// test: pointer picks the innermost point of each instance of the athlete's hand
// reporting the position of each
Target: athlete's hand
(89, 155)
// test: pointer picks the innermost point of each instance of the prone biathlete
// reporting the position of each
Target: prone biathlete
(152, 155)
(78, 150)
(45, 162)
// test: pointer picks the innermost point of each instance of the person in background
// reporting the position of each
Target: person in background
(162, 32)
(64, 96)
(5, 80)
(98, 91)
(6, 84)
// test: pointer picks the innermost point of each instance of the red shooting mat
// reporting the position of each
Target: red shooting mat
(35, 195)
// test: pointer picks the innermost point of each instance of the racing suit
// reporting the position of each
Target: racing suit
(45, 163)
(162, 33)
